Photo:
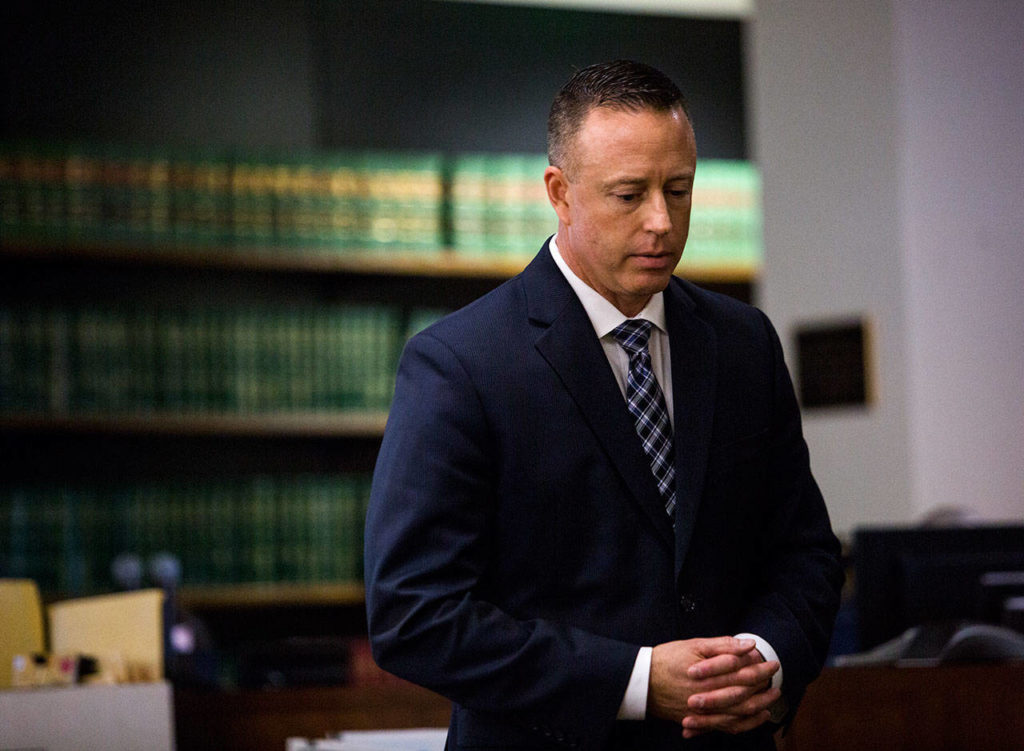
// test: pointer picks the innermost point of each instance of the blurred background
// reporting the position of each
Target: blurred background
(221, 221)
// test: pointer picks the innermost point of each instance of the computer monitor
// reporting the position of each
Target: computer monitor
(1001, 594)
(909, 576)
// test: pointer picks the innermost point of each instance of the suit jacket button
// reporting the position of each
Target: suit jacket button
(686, 604)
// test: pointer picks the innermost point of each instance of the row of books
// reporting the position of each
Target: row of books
(336, 202)
(196, 199)
(499, 204)
(73, 360)
(725, 222)
(327, 201)
(70, 539)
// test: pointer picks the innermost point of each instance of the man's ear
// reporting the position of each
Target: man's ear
(557, 185)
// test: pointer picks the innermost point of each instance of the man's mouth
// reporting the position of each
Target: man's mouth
(653, 259)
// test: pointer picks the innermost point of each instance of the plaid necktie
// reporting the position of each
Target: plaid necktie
(647, 404)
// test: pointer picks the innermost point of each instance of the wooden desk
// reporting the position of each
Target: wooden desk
(888, 709)
(949, 708)
(256, 720)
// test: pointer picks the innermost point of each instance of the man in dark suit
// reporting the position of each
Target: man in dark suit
(593, 522)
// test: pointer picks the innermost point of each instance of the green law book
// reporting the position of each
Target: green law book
(341, 206)
(223, 547)
(16, 531)
(41, 172)
(200, 199)
(244, 323)
(84, 355)
(259, 541)
(251, 202)
(349, 503)
(10, 357)
(196, 360)
(299, 189)
(469, 203)
(49, 549)
(171, 333)
(84, 192)
(402, 201)
(505, 208)
(11, 192)
(287, 532)
(146, 179)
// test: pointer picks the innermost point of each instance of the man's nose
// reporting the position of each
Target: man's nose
(657, 219)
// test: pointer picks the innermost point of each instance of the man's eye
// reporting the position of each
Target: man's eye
(627, 197)
(680, 193)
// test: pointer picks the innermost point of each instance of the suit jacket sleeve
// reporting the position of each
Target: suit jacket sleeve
(427, 533)
(799, 573)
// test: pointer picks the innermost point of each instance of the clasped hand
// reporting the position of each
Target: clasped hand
(720, 683)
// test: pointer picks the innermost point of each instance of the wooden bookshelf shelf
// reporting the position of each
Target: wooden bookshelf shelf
(443, 263)
(328, 425)
(272, 594)
(380, 261)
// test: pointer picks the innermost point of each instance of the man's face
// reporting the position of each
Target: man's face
(624, 202)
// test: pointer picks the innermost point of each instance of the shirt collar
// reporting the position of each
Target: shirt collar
(604, 316)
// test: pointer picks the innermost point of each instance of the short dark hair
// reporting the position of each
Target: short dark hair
(620, 84)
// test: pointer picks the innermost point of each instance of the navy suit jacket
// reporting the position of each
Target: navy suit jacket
(517, 551)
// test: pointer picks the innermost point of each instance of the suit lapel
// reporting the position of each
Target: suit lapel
(570, 347)
(694, 375)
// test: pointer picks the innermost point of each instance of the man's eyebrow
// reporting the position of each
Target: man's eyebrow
(623, 181)
(640, 181)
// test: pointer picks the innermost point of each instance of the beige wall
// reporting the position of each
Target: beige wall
(888, 133)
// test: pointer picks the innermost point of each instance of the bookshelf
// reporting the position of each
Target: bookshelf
(178, 328)
(97, 463)
(281, 86)
(172, 384)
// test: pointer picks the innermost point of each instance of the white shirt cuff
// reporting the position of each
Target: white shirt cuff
(768, 654)
(634, 703)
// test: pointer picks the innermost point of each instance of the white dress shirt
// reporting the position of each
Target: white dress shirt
(605, 318)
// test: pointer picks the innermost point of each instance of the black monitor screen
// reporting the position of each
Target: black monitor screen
(906, 577)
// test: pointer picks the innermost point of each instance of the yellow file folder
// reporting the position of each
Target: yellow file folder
(21, 623)
(123, 629)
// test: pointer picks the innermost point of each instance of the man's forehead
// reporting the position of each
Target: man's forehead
(606, 125)
(612, 109)
(608, 138)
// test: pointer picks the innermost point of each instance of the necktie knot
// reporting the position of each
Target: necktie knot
(632, 335)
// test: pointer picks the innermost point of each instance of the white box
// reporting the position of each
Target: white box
(127, 717)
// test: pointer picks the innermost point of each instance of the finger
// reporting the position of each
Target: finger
(739, 670)
(723, 664)
(757, 678)
(689, 733)
(699, 724)
(734, 700)
(714, 666)
(721, 645)
(714, 702)
(750, 714)
(756, 675)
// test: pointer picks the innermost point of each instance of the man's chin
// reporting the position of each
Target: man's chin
(652, 282)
